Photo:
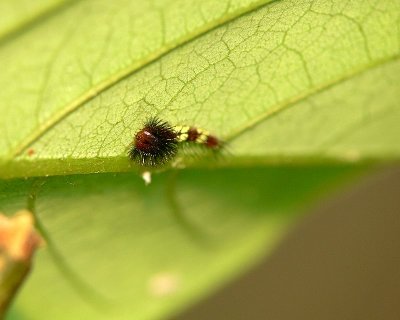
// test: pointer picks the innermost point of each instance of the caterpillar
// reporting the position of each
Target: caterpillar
(157, 142)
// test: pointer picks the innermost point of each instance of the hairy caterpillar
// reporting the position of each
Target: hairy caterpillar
(157, 142)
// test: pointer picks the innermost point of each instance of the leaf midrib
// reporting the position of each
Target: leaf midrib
(122, 74)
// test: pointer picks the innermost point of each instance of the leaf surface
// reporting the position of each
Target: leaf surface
(19, 15)
(321, 75)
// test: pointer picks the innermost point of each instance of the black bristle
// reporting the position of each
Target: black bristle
(155, 144)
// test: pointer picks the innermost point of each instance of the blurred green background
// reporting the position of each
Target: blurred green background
(341, 262)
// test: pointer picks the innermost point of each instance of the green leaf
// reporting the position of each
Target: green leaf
(283, 81)
(299, 82)
(19, 15)
(130, 252)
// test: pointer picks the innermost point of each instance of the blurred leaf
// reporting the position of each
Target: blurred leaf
(144, 253)
(19, 15)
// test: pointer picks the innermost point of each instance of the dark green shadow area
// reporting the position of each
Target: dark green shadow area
(16, 315)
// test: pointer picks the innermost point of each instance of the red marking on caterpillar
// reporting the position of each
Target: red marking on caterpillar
(212, 142)
(193, 134)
